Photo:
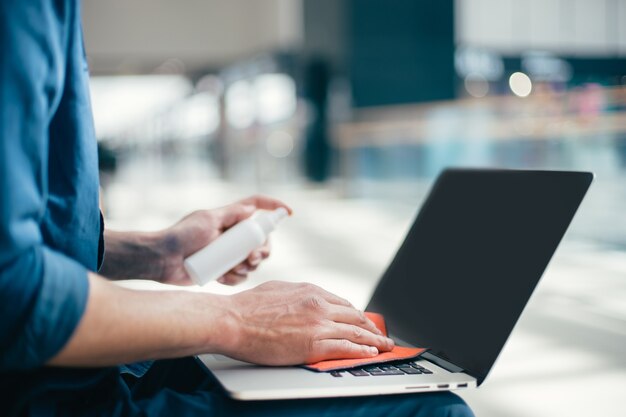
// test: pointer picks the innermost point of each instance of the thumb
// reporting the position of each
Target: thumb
(233, 214)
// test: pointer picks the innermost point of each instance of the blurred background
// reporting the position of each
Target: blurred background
(348, 110)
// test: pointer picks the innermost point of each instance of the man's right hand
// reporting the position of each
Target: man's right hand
(282, 323)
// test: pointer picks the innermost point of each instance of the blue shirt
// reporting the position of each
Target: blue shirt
(50, 225)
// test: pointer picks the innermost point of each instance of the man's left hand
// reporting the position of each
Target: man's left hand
(200, 228)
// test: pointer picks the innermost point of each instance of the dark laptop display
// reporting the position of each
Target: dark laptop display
(473, 257)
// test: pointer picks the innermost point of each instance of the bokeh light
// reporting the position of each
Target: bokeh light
(476, 85)
(520, 84)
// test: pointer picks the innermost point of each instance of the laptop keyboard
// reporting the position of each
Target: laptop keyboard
(395, 368)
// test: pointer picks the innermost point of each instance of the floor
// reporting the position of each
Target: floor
(567, 355)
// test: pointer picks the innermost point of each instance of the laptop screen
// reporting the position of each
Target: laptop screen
(472, 258)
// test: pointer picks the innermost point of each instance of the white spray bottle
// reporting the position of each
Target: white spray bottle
(232, 247)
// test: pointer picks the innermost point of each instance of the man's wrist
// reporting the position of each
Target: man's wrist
(137, 255)
(168, 257)
(221, 329)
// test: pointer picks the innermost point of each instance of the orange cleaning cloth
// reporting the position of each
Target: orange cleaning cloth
(398, 353)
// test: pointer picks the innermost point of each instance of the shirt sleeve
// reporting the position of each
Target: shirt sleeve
(43, 293)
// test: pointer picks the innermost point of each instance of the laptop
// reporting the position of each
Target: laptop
(457, 285)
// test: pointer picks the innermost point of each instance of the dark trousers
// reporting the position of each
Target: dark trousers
(180, 388)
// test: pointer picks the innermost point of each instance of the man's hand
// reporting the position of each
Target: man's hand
(281, 323)
(202, 227)
(159, 255)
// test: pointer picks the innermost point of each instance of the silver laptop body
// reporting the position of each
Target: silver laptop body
(244, 381)
(457, 285)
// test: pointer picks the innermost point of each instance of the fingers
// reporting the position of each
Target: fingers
(356, 335)
(234, 213)
(335, 299)
(350, 315)
(232, 278)
(258, 255)
(342, 311)
(265, 203)
(346, 341)
(327, 296)
(240, 273)
(340, 349)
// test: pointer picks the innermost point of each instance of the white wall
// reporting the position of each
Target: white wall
(578, 27)
(135, 35)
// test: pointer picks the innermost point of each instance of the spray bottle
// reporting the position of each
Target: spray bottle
(232, 247)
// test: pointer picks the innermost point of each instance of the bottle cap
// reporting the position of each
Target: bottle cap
(269, 220)
(278, 214)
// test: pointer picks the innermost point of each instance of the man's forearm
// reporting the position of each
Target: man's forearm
(135, 255)
(276, 323)
(124, 326)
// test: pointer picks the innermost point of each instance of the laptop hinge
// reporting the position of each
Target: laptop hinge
(450, 367)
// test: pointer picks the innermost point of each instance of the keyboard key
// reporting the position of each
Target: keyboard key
(411, 371)
(396, 372)
(406, 368)
(358, 372)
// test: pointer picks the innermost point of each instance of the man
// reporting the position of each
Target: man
(65, 330)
